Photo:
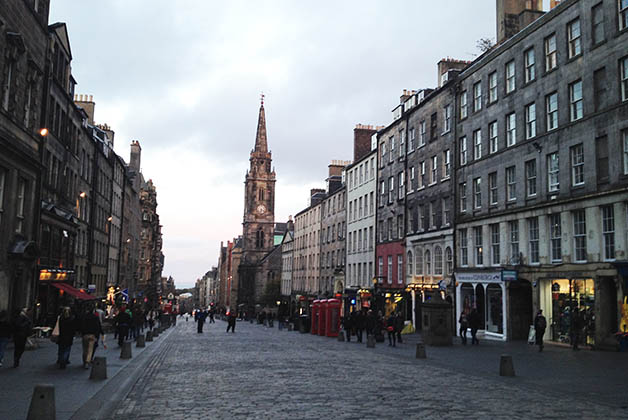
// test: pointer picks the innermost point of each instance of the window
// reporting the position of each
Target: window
(20, 205)
(463, 197)
(551, 104)
(553, 183)
(599, 88)
(492, 186)
(573, 35)
(492, 137)
(400, 269)
(422, 224)
(477, 241)
(464, 254)
(400, 226)
(3, 175)
(438, 261)
(449, 260)
(477, 193)
(427, 260)
(575, 100)
(597, 23)
(445, 210)
(625, 141)
(624, 78)
(495, 244)
(601, 154)
(446, 164)
(433, 126)
(411, 140)
(623, 14)
(608, 232)
(434, 169)
(477, 144)
(402, 144)
(390, 270)
(511, 129)
(382, 191)
(492, 87)
(411, 180)
(577, 165)
(8, 82)
(533, 233)
(447, 118)
(463, 150)
(580, 235)
(550, 53)
(531, 178)
(556, 253)
(511, 184)
(477, 96)
(391, 156)
(513, 233)
(422, 133)
(432, 214)
(391, 189)
(529, 64)
(418, 262)
(463, 105)
(530, 120)
(423, 178)
(510, 76)
(390, 228)
(401, 187)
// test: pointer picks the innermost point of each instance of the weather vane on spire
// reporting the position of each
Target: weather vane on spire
(262, 96)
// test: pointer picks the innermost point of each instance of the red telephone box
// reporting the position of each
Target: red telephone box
(316, 305)
(322, 318)
(333, 317)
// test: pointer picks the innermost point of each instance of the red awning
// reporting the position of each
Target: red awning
(72, 291)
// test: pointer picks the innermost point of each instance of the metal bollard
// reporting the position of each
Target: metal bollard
(420, 351)
(126, 350)
(506, 367)
(99, 368)
(42, 403)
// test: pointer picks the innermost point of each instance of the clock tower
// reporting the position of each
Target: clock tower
(259, 198)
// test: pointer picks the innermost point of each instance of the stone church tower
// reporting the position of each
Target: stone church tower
(259, 218)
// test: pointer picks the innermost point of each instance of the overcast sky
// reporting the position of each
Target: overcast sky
(184, 78)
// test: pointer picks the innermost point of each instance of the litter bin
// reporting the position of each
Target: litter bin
(304, 324)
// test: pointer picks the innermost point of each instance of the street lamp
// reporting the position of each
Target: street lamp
(43, 132)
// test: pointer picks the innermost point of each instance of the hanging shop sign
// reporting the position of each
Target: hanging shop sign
(509, 275)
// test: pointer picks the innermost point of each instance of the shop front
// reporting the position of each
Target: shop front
(484, 291)
(56, 291)
(419, 293)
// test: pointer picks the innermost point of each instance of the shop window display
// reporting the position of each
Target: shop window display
(573, 303)
(494, 309)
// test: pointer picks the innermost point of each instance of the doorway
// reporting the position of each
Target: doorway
(521, 312)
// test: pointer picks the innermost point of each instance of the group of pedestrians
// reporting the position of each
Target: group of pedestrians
(202, 315)
(19, 327)
(472, 321)
(374, 323)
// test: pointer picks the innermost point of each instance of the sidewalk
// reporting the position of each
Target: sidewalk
(73, 388)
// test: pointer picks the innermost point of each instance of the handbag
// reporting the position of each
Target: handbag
(54, 337)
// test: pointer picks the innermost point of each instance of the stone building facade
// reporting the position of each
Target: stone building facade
(333, 226)
(541, 217)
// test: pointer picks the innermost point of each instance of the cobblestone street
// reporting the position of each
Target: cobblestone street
(266, 373)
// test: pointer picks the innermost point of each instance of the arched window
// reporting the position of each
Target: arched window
(438, 260)
(449, 260)
(427, 259)
(259, 239)
(418, 262)
(410, 267)
(261, 194)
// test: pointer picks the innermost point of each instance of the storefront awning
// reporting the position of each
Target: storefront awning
(79, 294)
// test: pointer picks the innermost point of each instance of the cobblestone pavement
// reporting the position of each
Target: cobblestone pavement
(265, 373)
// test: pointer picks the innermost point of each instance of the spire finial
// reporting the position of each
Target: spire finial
(262, 96)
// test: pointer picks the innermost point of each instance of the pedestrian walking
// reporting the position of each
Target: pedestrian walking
(359, 325)
(390, 327)
(91, 330)
(474, 323)
(540, 324)
(67, 330)
(231, 321)
(577, 324)
(5, 333)
(123, 323)
(464, 325)
(22, 329)
(399, 324)
(348, 326)
(200, 321)
(212, 312)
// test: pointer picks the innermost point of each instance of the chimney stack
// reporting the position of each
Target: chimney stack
(514, 15)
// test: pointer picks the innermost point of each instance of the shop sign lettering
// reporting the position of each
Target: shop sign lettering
(478, 277)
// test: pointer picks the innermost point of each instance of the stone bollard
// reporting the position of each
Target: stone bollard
(506, 367)
(99, 368)
(149, 336)
(420, 351)
(370, 341)
(42, 403)
(155, 333)
(290, 326)
(126, 351)
(341, 336)
(141, 341)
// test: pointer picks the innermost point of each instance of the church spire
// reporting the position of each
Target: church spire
(260, 140)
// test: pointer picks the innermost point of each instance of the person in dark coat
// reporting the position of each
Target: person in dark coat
(399, 324)
(577, 325)
(91, 331)
(347, 325)
(200, 321)
(123, 323)
(67, 330)
(231, 322)
(390, 327)
(359, 324)
(5, 333)
(371, 322)
(464, 325)
(540, 324)
(474, 323)
(22, 329)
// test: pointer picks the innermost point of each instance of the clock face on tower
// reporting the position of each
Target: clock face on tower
(261, 209)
